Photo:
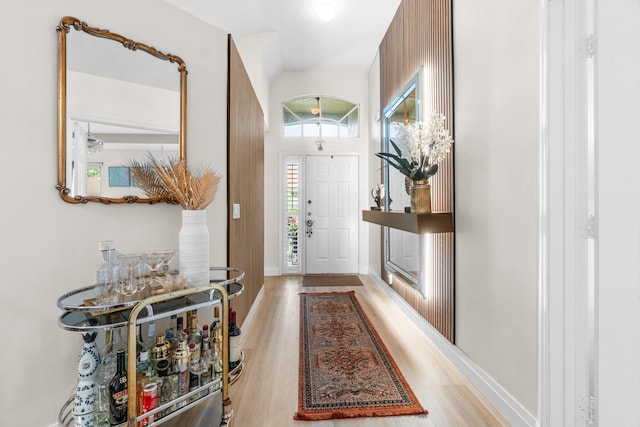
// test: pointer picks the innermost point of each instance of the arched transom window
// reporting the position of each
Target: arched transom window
(320, 116)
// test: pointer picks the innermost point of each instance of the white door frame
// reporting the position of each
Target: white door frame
(301, 157)
(567, 298)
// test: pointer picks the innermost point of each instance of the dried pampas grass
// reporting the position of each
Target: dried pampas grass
(172, 179)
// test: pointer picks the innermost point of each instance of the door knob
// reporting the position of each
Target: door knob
(309, 223)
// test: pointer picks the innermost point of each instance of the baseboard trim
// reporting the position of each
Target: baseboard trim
(272, 271)
(509, 408)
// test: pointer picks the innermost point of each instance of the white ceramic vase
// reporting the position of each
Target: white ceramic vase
(193, 248)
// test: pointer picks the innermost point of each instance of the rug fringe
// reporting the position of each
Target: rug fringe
(331, 415)
(327, 293)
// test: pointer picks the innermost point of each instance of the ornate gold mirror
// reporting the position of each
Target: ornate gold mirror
(117, 100)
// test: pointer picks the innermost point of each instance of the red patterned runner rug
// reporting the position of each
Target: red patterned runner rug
(345, 369)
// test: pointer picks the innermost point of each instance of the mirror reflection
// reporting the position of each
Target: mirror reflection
(119, 100)
(402, 249)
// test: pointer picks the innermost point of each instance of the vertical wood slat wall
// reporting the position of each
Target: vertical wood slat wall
(245, 172)
(421, 35)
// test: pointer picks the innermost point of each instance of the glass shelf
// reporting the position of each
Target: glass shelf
(213, 389)
(79, 317)
(76, 300)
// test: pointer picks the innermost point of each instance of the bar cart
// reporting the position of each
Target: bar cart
(201, 406)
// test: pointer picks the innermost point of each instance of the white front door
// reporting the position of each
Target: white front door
(331, 214)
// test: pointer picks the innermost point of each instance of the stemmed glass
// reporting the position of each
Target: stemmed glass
(153, 261)
(166, 256)
(129, 263)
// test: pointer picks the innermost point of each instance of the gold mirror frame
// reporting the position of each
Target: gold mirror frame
(66, 24)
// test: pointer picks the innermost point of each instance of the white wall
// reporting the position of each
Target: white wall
(50, 246)
(496, 189)
(352, 86)
(257, 52)
(618, 191)
(149, 106)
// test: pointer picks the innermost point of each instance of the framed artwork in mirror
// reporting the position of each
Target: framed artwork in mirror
(118, 100)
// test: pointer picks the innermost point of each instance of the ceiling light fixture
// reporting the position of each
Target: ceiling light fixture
(326, 11)
(94, 145)
(316, 110)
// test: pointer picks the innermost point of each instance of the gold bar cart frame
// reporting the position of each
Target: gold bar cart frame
(227, 412)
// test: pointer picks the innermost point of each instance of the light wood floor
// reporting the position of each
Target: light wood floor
(267, 392)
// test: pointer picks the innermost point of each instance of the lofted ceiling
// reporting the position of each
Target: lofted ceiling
(293, 38)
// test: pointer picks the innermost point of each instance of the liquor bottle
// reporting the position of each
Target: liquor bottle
(206, 360)
(205, 334)
(195, 370)
(216, 343)
(181, 368)
(195, 336)
(171, 339)
(144, 365)
(234, 342)
(168, 384)
(105, 289)
(85, 401)
(180, 334)
(170, 333)
(150, 340)
(118, 391)
(173, 323)
(105, 373)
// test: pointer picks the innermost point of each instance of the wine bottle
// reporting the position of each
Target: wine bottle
(217, 321)
(234, 342)
(118, 391)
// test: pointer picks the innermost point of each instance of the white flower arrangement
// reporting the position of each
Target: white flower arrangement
(423, 145)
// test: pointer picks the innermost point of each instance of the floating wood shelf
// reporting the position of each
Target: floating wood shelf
(411, 222)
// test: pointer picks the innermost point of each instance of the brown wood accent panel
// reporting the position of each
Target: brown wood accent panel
(411, 222)
(421, 35)
(245, 178)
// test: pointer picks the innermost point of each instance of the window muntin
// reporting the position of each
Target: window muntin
(320, 117)
(292, 261)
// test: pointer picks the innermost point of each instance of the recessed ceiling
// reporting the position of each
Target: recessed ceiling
(298, 39)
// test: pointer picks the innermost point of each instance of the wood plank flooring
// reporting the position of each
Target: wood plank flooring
(267, 392)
